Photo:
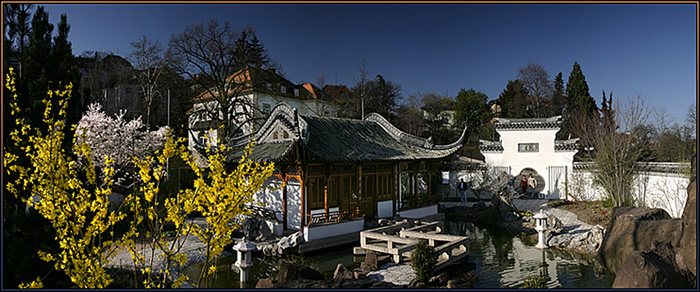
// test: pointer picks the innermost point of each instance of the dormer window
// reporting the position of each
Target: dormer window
(266, 108)
(269, 85)
(296, 92)
(283, 89)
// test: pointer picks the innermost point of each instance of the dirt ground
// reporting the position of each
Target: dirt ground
(590, 212)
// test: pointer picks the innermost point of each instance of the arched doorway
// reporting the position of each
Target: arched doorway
(526, 172)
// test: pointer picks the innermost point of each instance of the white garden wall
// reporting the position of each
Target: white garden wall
(651, 189)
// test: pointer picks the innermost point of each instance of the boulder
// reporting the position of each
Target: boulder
(265, 283)
(651, 269)
(290, 241)
(342, 273)
(439, 280)
(359, 274)
(291, 272)
(370, 262)
(554, 224)
(586, 241)
(686, 257)
(451, 284)
(384, 222)
(636, 229)
(416, 284)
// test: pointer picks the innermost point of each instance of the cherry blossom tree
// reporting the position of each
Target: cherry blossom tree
(116, 137)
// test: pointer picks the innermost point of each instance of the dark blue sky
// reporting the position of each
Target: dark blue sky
(633, 50)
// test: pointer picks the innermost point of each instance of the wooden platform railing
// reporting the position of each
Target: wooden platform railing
(399, 241)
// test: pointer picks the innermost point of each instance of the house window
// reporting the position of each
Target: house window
(202, 139)
(333, 190)
(296, 92)
(269, 85)
(315, 189)
(266, 108)
(283, 89)
(528, 147)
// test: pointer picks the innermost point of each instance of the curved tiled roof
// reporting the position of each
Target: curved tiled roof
(526, 124)
(490, 146)
(346, 140)
(343, 140)
(566, 145)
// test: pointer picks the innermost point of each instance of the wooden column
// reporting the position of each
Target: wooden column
(395, 188)
(302, 183)
(327, 179)
(359, 188)
(325, 200)
(283, 178)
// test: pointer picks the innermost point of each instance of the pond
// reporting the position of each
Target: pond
(502, 260)
(499, 259)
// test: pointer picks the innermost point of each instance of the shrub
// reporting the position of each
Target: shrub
(535, 282)
(423, 261)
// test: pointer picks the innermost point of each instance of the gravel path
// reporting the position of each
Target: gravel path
(568, 219)
(192, 248)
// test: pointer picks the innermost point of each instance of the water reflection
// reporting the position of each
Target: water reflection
(500, 260)
(503, 260)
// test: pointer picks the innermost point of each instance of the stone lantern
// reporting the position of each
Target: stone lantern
(244, 260)
(540, 226)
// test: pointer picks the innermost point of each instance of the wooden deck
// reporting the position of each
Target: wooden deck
(399, 241)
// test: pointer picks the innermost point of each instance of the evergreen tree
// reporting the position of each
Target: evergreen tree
(17, 17)
(381, 97)
(258, 56)
(579, 97)
(580, 104)
(513, 100)
(558, 97)
(36, 65)
(249, 51)
(62, 71)
(607, 113)
(471, 110)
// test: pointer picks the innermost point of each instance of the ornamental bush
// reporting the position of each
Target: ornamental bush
(535, 282)
(71, 191)
(423, 261)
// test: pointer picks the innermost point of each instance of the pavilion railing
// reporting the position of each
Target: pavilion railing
(332, 217)
(413, 202)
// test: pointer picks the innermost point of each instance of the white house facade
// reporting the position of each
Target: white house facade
(530, 146)
(306, 98)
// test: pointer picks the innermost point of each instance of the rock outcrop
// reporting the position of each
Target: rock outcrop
(370, 263)
(686, 257)
(651, 269)
(582, 241)
(646, 248)
(342, 273)
(636, 229)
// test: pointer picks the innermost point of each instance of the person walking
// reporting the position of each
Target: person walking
(462, 189)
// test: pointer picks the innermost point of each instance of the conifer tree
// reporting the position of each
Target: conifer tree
(578, 96)
(513, 100)
(578, 101)
(36, 65)
(558, 97)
